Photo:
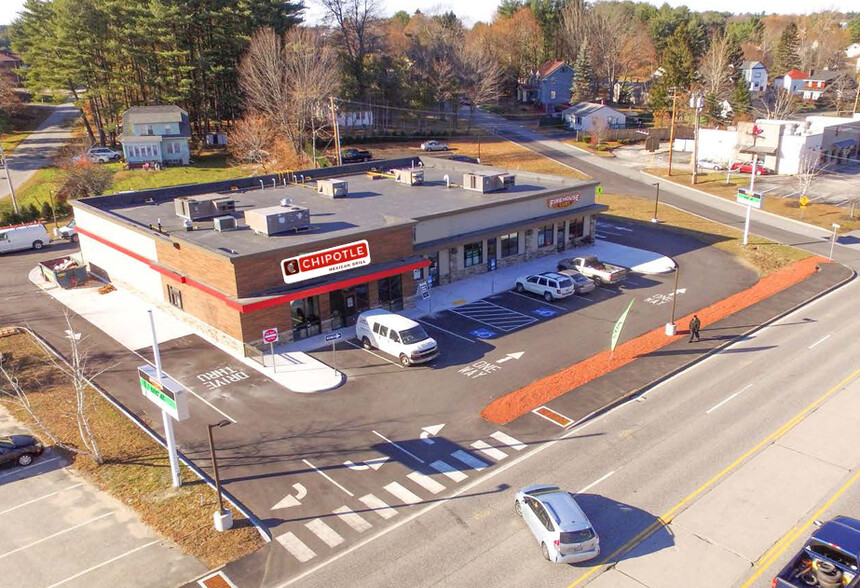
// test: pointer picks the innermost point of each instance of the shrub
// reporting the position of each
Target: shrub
(46, 211)
(603, 147)
(586, 138)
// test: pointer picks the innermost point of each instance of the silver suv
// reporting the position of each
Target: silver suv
(561, 528)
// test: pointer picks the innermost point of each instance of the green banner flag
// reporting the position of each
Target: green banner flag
(619, 324)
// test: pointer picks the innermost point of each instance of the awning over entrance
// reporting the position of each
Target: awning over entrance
(845, 143)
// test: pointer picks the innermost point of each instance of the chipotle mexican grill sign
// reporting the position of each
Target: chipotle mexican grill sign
(562, 201)
(327, 261)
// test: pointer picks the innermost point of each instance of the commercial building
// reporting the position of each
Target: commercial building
(306, 252)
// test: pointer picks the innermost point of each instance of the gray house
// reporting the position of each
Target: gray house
(155, 134)
(589, 116)
(549, 86)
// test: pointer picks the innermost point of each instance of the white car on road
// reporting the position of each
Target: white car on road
(100, 155)
(550, 285)
(711, 164)
(558, 523)
(434, 146)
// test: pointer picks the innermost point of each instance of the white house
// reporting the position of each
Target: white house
(793, 81)
(755, 74)
(815, 84)
(852, 51)
(587, 116)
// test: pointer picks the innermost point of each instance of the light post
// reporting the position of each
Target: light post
(671, 327)
(833, 240)
(5, 163)
(223, 518)
(696, 102)
(656, 202)
(672, 128)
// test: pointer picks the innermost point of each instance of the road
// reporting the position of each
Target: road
(39, 148)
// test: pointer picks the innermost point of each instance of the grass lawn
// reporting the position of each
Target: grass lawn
(592, 150)
(22, 125)
(136, 469)
(35, 190)
(822, 215)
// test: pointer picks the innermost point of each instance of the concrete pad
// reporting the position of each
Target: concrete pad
(763, 498)
(612, 578)
(842, 449)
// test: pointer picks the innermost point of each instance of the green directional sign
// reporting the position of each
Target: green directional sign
(753, 199)
(167, 394)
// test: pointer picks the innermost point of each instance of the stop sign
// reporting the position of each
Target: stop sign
(270, 335)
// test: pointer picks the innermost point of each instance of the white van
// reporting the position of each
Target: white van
(18, 237)
(396, 335)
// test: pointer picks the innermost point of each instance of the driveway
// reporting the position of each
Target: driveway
(56, 529)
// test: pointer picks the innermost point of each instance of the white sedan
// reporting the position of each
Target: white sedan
(711, 164)
(434, 146)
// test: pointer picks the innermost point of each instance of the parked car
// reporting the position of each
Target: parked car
(830, 558)
(68, 232)
(581, 283)
(711, 164)
(20, 449)
(396, 335)
(434, 146)
(18, 237)
(352, 155)
(100, 155)
(746, 167)
(591, 267)
(465, 159)
(550, 285)
(558, 523)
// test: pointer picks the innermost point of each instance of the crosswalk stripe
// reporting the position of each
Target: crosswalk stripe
(469, 459)
(294, 545)
(324, 532)
(352, 519)
(445, 468)
(488, 449)
(402, 493)
(378, 506)
(508, 440)
(426, 481)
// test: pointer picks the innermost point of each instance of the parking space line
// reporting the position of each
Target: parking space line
(437, 327)
(469, 459)
(294, 545)
(328, 535)
(375, 504)
(2, 512)
(542, 302)
(57, 534)
(489, 450)
(32, 465)
(402, 493)
(447, 469)
(426, 482)
(403, 449)
(374, 354)
(103, 564)
(822, 340)
(352, 519)
(508, 440)
(327, 477)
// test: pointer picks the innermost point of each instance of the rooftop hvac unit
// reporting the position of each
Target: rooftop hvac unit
(488, 183)
(201, 207)
(224, 223)
(223, 205)
(333, 188)
(410, 177)
(278, 219)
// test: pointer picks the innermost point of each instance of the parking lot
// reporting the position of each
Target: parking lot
(91, 540)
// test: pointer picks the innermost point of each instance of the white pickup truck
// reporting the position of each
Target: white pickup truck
(591, 267)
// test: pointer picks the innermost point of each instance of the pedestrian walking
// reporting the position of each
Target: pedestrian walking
(695, 325)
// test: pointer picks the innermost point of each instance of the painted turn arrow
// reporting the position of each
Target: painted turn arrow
(511, 356)
(290, 500)
(373, 464)
(432, 430)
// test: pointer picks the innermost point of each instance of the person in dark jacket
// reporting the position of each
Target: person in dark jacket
(695, 325)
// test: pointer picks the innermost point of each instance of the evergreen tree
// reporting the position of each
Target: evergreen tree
(582, 87)
(658, 96)
(678, 61)
(787, 57)
(741, 101)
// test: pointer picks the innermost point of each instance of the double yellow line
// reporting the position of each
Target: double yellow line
(669, 515)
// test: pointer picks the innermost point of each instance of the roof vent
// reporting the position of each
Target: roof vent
(410, 177)
(333, 188)
(224, 223)
(286, 202)
(488, 183)
(278, 219)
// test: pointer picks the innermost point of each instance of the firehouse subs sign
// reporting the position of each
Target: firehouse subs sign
(562, 201)
(327, 261)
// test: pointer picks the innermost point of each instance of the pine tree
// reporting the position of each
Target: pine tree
(787, 57)
(741, 101)
(678, 60)
(583, 77)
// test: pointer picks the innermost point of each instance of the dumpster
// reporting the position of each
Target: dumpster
(66, 272)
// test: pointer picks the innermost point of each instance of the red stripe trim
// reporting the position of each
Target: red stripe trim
(251, 307)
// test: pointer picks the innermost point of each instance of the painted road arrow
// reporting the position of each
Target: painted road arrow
(290, 500)
(511, 356)
(432, 430)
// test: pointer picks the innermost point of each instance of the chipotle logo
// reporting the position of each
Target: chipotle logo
(327, 261)
(562, 201)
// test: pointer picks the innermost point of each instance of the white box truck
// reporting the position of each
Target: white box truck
(18, 237)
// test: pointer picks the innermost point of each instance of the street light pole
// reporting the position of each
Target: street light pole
(8, 177)
(671, 327)
(672, 129)
(223, 518)
(656, 202)
(833, 240)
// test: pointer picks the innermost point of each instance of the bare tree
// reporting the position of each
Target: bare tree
(841, 91)
(611, 30)
(574, 27)
(355, 21)
(262, 78)
(83, 178)
(715, 68)
(480, 77)
(782, 104)
(808, 169)
(252, 140)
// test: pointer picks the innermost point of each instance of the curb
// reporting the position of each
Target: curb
(261, 528)
(633, 394)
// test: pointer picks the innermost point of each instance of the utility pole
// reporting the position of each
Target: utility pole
(672, 128)
(696, 103)
(336, 130)
(8, 177)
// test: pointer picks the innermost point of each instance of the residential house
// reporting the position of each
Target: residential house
(630, 91)
(852, 52)
(548, 86)
(793, 81)
(755, 74)
(815, 84)
(588, 116)
(155, 134)
(9, 63)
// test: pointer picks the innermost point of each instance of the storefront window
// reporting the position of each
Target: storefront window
(510, 244)
(391, 293)
(577, 229)
(473, 254)
(306, 317)
(346, 304)
(546, 235)
(433, 270)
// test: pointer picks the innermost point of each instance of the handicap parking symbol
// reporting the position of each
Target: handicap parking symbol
(545, 312)
(483, 333)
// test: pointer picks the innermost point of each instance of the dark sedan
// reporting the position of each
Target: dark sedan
(20, 449)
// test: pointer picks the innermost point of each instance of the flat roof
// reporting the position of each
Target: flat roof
(372, 204)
